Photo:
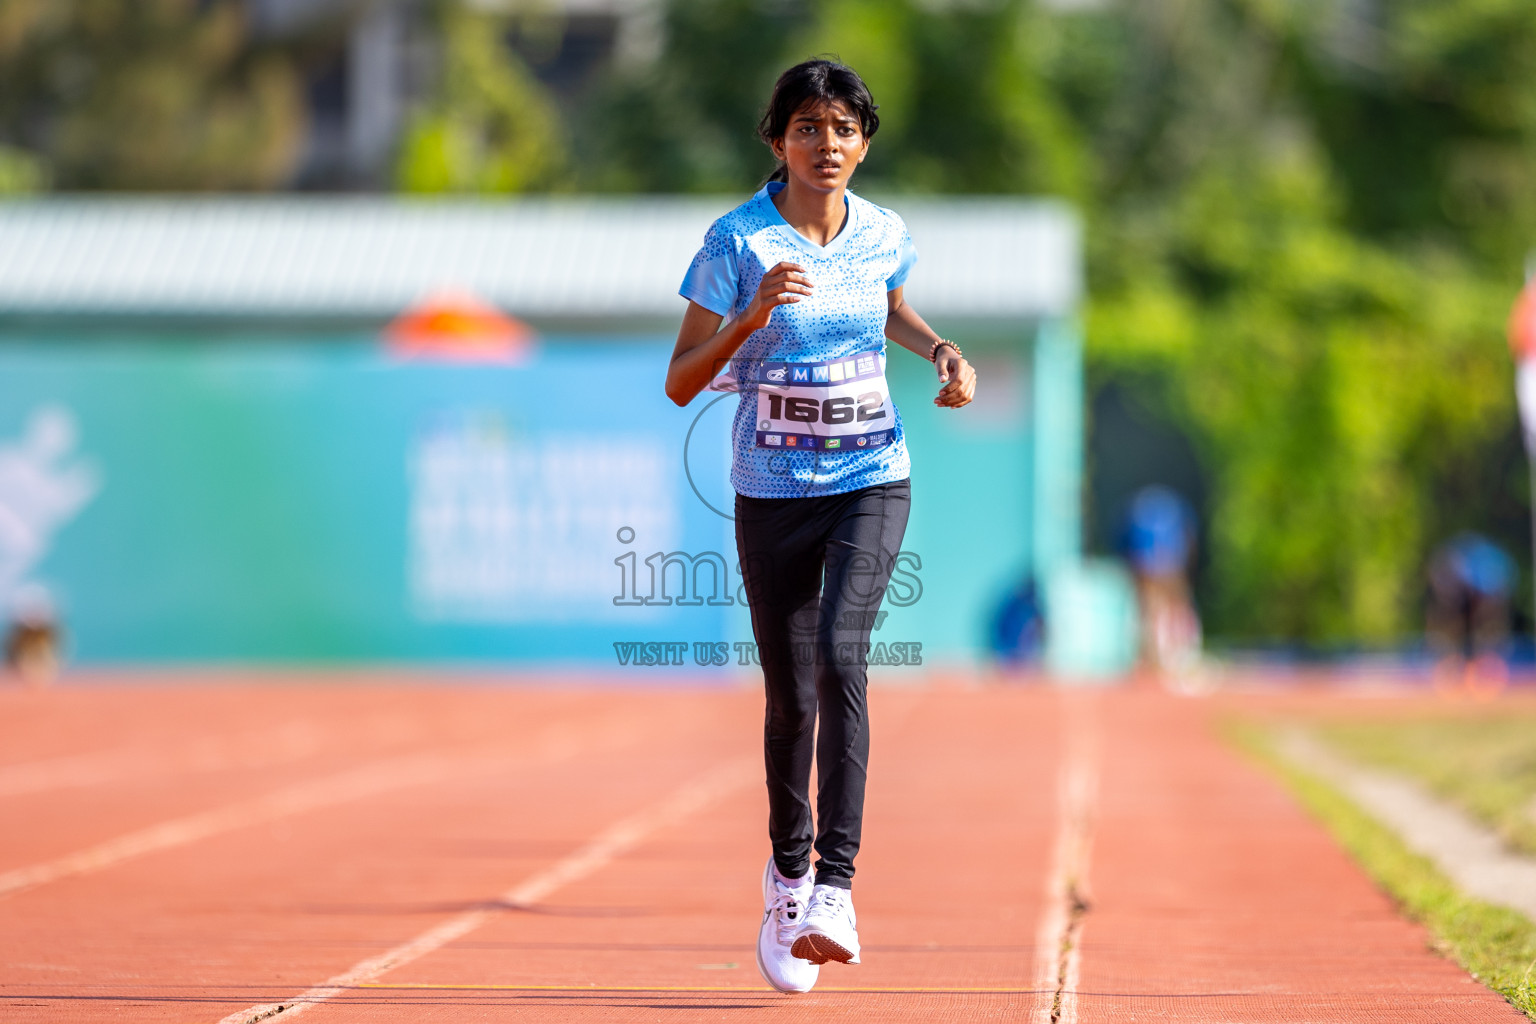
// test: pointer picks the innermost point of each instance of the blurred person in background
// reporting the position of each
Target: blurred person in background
(1159, 544)
(1467, 621)
(797, 290)
(33, 639)
(1018, 627)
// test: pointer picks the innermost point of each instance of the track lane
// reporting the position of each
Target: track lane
(1209, 896)
(1216, 898)
(238, 919)
(949, 893)
(371, 779)
(616, 840)
(172, 754)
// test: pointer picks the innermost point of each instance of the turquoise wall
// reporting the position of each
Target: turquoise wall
(275, 498)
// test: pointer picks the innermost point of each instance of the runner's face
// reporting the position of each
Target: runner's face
(823, 146)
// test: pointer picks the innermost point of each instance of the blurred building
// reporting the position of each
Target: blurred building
(367, 61)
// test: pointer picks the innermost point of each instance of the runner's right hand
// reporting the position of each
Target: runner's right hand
(784, 283)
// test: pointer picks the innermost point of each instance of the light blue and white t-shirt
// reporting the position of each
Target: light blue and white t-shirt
(843, 318)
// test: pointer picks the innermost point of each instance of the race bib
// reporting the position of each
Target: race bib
(842, 405)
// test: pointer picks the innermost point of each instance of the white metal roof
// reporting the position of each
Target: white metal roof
(552, 258)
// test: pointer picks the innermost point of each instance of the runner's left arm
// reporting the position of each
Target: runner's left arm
(907, 329)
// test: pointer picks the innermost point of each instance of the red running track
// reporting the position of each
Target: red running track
(346, 850)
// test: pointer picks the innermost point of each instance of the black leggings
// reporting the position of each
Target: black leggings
(813, 642)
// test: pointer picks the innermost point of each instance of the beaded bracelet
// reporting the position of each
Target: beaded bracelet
(933, 350)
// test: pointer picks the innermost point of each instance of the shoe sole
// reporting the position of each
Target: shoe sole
(818, 949)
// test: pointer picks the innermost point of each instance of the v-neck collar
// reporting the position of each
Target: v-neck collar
(765, 196)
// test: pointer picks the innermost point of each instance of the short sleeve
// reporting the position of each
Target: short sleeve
(712, 279)
(904, 267)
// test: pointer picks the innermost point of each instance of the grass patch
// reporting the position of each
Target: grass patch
(1485, 764)
(1495, 944)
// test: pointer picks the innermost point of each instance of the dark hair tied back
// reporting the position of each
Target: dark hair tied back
(816, 81)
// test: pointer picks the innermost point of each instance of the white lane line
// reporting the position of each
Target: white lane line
(257, 749)
(613, 842)
(1058, 939)
(368, 780)
(264, 747)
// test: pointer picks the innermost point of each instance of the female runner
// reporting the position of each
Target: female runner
(797, 289)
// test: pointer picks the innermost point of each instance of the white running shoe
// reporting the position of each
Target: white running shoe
(831, 929)
(783, 911)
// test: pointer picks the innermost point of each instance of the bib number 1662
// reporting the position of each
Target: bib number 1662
(869, 406)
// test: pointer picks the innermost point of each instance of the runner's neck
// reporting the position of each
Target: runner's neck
(818, 216)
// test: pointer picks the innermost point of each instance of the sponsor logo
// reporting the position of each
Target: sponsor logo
(877, 438)
(834, 442)
(866, 364)
(863, 441)
(848, 370)
(791, 441)
(775, 375)
(836, 370)
(773, 439)
(819, 373)
(802, 373)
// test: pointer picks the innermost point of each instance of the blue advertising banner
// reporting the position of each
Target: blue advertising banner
(311, 499)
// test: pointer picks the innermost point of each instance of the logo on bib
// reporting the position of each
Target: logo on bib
(834, 442)
(774, 439)
(802, 373)
(790, 441)
(776, 375)
(862, 441)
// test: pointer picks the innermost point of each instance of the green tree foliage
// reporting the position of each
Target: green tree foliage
(20, 172)
(1305, 227)
(489, 125)
(1330, 385)
(684, 122)
(962, 106)
(152, 94)
(1327, 326)
(1445, 93)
